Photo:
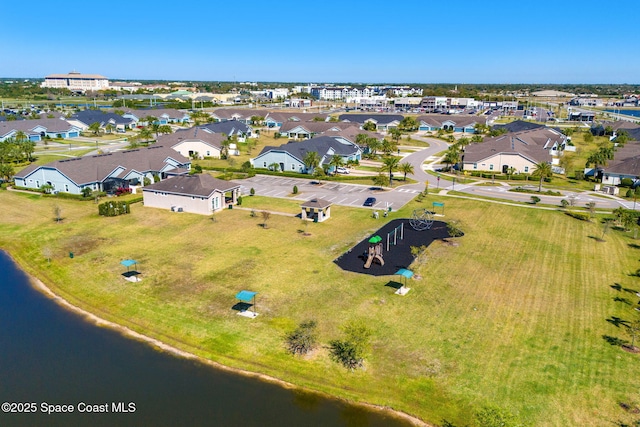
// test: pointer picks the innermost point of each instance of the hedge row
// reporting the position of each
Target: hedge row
(113, 208)
(579, 215)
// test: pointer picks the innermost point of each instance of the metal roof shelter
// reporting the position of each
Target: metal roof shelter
(248, 297)
(128, 263)
(406, 274)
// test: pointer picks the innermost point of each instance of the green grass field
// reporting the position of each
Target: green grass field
(513, 315)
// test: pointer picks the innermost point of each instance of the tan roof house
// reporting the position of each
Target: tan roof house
(194, 142)
(199, 194)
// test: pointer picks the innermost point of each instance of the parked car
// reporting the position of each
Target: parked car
(370, 201)
(342, 170)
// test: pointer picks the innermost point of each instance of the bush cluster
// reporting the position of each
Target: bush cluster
(113, 208)
(579, 215)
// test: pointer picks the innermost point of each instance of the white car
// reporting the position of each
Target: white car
(342, 170)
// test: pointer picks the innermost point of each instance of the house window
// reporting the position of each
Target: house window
(208, 153)
(475, 166)
(490, 167)
(526, 168)
(264, 164)
(66, 188)
(293, 167)
(38, 184)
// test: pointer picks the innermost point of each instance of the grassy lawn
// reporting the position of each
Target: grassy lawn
(513, 316)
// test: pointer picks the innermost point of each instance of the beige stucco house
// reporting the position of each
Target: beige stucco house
(200, 194)
(194, 143)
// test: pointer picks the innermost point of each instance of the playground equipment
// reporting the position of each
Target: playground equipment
(374, 252)
(397, 232)
(421, 219)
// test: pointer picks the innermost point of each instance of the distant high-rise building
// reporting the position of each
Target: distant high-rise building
(76, 82)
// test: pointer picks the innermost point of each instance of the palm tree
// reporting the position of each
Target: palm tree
(164, 129)
(145, 135)
(336, 161)
(274, 167)
(510, 171)
(395, 133)
(388, 147)
(542, 170)
(95, 128)
(361, 139)
(311, 160)
(452, 156)
(20, 136)
(109, 128)
(374, 145)
(405, 168)
(390, 164)
(224, 148)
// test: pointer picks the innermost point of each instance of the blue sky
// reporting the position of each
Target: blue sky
(492, 41)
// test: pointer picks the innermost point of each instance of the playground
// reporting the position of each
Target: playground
(393, 247)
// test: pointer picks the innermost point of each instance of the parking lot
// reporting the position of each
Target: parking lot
(335, 192)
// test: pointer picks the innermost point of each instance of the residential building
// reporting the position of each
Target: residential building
(232, 128)
(289, 157)
(105, 172)
(194, 143)
(307, 130)
(199, 194)
(163, 116)
(464, 123)
(107, 121)
(383, 122)
(39, 129)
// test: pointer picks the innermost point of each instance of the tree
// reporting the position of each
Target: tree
(46, 188)
(389, 147)
(95, 128)
(633, 331)
(145, 135)
(336, 162)
(542, 170)
(274, 167)
(477, 138)
(6, 171)
(351, 350)
(224, 151)
(380, 180)
(265, 217)
(303, 339)
(311, 160)
(452, 156)
(370, 126)
(408, 124)
(149, 120)
(395, 133)
(390, 164)
(406, 168)
(20, 137)
(591, 207)
(109, 128)
(373, 144)
(361, 139)
(57, 213)
(510, 171)
(164, 129)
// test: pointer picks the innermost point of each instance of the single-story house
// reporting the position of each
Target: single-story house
(163, 116)
(519, 126)
(194, 142)
(501, 153)
(241, 115)
(105, 172)
(307, 130)
(230, 128)
(199, 193)
(38, 129)
(290, 156)
(84, 119)
(464, 123)
(383, 122)
(278, 118)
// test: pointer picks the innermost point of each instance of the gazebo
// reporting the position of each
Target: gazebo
(316, 210)
(247, 297)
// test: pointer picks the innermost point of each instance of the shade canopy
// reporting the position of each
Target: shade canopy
(405, 273)
(128, 262)
(245, 296)
(375, 239)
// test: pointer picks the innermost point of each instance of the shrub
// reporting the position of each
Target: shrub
(350, 352)
(121, 191)
(578, 215)
(535, 199)
(629, 193)
(252, 192)
(303, 339)
(295, 189)
(564, 203)
(114, 208)
(239, 201)
(626, 182)
(86, 192)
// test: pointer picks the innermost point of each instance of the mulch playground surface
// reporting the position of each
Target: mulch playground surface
(398, 256)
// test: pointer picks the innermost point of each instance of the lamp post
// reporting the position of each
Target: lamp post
(453, 186)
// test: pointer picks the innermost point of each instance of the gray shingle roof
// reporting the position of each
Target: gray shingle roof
(519, 126)
(379, 118)
(314, 127)
(90, 169)
(505, 144)
(202, 185)
(316, 204)
(95, 116)
(320, 145)
(230, 127)
(459, 119)
(52, 125)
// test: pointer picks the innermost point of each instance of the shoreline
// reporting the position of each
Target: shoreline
(39, 286)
